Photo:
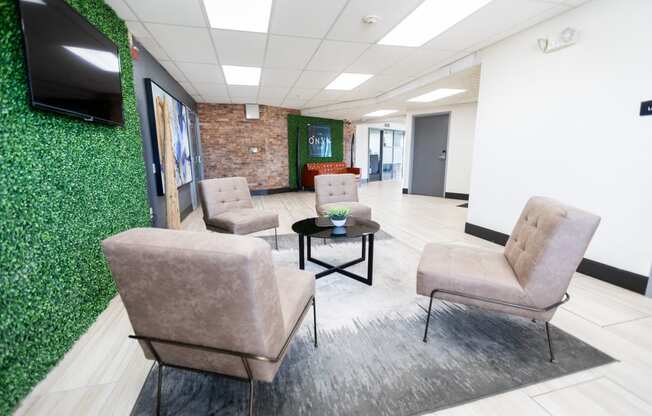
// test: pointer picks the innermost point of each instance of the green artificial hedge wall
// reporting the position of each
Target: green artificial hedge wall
(302, 122)
(65, 184)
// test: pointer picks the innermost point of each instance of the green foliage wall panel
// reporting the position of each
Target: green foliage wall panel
(65, 184)
(302, 122)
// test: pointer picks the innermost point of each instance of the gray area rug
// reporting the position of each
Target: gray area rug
(371, 360)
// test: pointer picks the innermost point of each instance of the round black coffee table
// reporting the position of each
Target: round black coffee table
(321, 227)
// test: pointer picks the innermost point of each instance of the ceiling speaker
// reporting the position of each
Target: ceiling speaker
(252, 111)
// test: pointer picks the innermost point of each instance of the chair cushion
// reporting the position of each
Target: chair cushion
(358, 210)
(295, 287)
(243, 221)
(475, 272)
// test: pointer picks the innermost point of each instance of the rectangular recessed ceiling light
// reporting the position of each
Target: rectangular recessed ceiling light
(241, 75)
(436, 95)
(380, 113)
(430, 19)
(249, 15)
(348, 81)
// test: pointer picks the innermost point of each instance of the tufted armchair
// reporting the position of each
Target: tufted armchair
(339, 191)
(228, 208)
(208, 302)
(528, 279)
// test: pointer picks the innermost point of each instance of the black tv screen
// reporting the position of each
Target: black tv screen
(72, 67)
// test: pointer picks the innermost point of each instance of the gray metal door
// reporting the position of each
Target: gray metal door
(429, 155)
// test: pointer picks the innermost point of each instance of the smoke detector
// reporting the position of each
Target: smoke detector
(370, 19)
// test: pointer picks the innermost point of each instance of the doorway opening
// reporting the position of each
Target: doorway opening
(385, 154)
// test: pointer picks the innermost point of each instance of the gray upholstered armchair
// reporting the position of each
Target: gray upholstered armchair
(529, 279)
(339, 191)
(209, 302)
(228, 208)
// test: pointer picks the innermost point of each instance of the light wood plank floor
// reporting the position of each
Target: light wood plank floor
(103, 373)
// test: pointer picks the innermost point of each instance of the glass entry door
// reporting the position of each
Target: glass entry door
(385, 161)
(374, 155)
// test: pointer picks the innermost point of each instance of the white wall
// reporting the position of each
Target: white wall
(362, 143)
(567, 125)
(461, 132)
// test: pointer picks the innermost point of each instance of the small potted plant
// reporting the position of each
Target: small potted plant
(338, 216)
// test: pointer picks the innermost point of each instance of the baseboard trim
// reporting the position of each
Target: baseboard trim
(618, 277)
(405, 190)
(271, 191)
(455, 195)
(486, 234)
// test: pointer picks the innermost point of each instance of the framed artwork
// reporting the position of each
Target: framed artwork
(179, 122)
(319, 141)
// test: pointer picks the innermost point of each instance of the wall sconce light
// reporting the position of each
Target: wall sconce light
(565, 39)
(253, 150)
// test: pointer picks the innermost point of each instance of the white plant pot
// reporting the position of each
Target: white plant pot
(338, 223)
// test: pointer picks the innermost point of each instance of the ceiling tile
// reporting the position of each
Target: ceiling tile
(273, 92)
(243, 100)
(187, 44)
(335, 55)
(239, 48)
(293, 103)
(330, 95)
(211, 89)
(493, 19)
(279, 77)
(309, 18)
(349, 25)
(154, 49)
(190, 89)
(417, 62)
(315, 79)
(378, 58)
(319, 103)
(169, 11)
(276, 102)
(216, 99)
(201, 72)
(380, 84)
(137, 29)
(302, 93)
(243, 91)
(289, 52)
(121, 9)
(173, 70)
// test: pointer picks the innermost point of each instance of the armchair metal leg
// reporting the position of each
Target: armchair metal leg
(314, 319)
(158, 388)
(252, 404)
(425, 335)
(552, 355)
(276, 238)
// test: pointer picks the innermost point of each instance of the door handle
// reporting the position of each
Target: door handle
(442, 155)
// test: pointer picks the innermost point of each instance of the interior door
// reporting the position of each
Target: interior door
(387, 155)
(374, 155)
(429, 155)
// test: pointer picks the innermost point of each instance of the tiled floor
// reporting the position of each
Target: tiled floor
(104, 371)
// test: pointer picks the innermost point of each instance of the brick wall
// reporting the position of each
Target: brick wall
(227, 137)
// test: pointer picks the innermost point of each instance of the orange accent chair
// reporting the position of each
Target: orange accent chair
(310, 170)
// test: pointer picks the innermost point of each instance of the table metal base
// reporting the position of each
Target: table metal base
(367, 254)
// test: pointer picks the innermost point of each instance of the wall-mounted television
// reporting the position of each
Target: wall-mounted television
(72, 68)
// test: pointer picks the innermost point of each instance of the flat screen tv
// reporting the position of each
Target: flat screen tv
(72, 68)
